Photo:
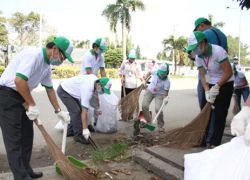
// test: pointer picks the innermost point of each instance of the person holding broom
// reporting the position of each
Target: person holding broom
(129, 73)
(217, 80)
(18, 109)
(76, 94)
(241, 87)
(158, 89)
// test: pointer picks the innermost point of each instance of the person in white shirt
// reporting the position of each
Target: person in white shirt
(129, 74)
(76, 94)
(241, 87)
(217, 80)
(158, 89)
(94, 60)
(18, 108)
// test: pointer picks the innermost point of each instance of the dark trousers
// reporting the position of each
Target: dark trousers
(219, 114)
(17, 132)
(244, 92)
(127, 91)
(74, 108)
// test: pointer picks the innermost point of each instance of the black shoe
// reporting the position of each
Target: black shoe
(70, 134)
(35, 175)
(91, 128)
(81, 140)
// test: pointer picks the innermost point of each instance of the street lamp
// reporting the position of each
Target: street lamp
(239, 30)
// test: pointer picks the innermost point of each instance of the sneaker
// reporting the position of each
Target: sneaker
(81, 140)
(91, 128)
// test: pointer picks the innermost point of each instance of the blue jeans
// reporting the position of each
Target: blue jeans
(201, 95)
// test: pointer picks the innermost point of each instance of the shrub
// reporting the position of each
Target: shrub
(2, 68)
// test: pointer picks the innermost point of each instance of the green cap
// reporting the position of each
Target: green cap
(100, 42)
(194, 40)
(199, 21)
(106, 84)
(132, 54)
(65, 46)
(163, 69)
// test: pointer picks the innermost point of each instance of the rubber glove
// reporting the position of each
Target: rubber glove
(64, 116)
(86, 133)
(32, 113)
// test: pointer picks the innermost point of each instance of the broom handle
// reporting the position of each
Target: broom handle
(162, 106)
(64, 137)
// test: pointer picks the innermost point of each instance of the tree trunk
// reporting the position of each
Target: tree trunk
(124, 39)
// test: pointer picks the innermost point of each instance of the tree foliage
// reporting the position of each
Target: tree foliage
(113, 57)
(27, 27)
(121, 12)
(244, 3)
(3, 30)
(233, 49)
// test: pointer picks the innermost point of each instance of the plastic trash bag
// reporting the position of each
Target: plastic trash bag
(59, 125)
(107, 121)
(228, 161)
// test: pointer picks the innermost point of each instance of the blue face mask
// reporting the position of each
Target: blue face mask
(55, 61)
(198, 51)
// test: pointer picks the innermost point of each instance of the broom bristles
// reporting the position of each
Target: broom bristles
(68, 170)
(192, 134)
(129, 105)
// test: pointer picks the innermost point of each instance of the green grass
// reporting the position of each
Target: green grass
(112, 152)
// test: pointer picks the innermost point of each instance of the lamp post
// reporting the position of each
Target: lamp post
(239, 45)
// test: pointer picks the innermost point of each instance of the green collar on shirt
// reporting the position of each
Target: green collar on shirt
(46, 60)
(209, 51)
(92, 52)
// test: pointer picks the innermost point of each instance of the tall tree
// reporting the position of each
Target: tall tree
(233, 49)
(3, 31)
(27, 27)
(244, 3)
(120, 11)
(176, 47)
(219, 24)
(138, 52)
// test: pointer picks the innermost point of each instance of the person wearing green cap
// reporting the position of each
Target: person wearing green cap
(217, 80)
(78, 94)
(94, 60)
(214, 36)
(129, 74)
(18, 109)
(157, 89)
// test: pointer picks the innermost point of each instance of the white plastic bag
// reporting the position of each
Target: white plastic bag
(107, 122)
(59, 125)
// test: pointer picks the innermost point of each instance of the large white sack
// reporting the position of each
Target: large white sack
(108, 122)
(230, 161)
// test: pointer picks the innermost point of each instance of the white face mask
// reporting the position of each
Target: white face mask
(55, 61)
(98, 51)
(99, 91)
(198, 51)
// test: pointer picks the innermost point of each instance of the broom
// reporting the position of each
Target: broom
(193, 133)
(68, 170)
(129, 104)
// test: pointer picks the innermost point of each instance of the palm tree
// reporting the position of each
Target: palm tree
(120, 11)
(176, 46)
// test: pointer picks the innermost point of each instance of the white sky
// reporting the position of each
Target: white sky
(81, 19)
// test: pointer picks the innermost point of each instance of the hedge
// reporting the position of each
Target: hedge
(62, 72)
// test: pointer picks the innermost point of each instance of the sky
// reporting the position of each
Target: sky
(82, 19)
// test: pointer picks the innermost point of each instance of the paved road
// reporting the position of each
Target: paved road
(181, 109)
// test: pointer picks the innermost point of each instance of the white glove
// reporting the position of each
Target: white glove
(209, 98)
(86, 133)
(240, 122)
(32, 113)
(64, 116)
(214, 91)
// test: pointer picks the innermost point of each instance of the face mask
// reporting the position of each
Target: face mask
(55, 61)
(98, 51)
(99, 91)
(198, 51)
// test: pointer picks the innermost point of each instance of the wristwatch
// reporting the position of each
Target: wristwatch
(57, 110)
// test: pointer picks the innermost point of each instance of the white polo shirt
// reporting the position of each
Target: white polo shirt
(80, 87)
(32, 65)
(157, 85)
(132, 72)
(93, 62)
(240, 80)
(217, 55)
